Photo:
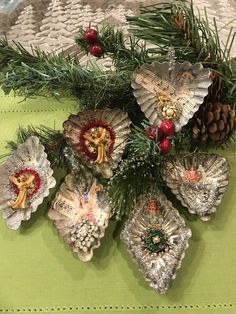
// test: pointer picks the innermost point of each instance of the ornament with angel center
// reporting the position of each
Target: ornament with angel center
(170, 93)
(98, 137)
(26, 178)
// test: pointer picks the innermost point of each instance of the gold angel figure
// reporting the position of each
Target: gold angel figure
(23, 183)
(99, 138)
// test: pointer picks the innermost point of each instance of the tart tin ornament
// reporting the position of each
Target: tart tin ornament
(199, 182)
(26, 178)
(156, 237)
(98, 137)
(174, 93)
(80, 213)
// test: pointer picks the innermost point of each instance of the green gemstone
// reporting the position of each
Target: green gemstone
(155, 241)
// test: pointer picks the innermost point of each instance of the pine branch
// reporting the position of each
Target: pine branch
(135, 176)
(138, 143)
(176, 25)
(51, 139)
(50, 75)
(138, 173)
(127, 53)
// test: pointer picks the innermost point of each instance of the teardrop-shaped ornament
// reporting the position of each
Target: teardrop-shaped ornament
(156, 237)
(25, 180)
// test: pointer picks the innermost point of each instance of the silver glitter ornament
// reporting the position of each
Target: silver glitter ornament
(25, 180)
(156, 238)
(80, 213)
(199, 182)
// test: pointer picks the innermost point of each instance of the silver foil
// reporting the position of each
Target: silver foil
(180, 88)
(115, 120)
(153, 213)
(199, 181)
(29, 155)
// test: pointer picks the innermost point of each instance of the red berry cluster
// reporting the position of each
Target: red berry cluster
(161, 134)
(91, 37)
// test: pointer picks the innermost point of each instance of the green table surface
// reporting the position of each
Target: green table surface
(38, 273)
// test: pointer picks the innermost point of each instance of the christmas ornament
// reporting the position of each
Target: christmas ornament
(91, 35)
(96, 50)
(167, 127)
(199, 182)
(80, 213)
(156, 238)
(165, 145)
(175, 93)
(98, 137)
(213, 123)
(26, 178)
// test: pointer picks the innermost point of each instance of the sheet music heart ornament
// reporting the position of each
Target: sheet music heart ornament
(170, 93)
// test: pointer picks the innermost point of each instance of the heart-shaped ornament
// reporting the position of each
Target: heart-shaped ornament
(199, 182)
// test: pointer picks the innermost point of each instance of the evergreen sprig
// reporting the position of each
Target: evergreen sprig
(135, 176)
(139, 172)
(176, 25)
(51, 139)
(127, 52)
(44, 74)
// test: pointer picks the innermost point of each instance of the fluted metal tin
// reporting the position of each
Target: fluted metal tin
(170, 93)
(98, 137)
(199, 182)
(25, 180)
(156, 237)
(80, 213)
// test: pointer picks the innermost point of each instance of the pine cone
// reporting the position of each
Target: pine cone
(213, 123)
(216, 89)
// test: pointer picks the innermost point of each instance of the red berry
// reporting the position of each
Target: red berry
(165, 145)
(91, 35)
(151, 133)
(167, 127)
(96, 50)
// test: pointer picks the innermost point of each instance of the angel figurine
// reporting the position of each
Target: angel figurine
(23, 184)
(101, 141)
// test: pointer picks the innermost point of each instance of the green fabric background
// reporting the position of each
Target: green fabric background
(38, 273)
